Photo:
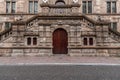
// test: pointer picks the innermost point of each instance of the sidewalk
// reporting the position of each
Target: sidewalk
(57, 60)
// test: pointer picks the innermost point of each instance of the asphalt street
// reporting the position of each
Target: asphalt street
(59, 72)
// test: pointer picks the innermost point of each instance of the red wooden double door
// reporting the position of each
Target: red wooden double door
(60, 41)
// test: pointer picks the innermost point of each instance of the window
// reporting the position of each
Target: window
(111, 7)
(60, 2)
(34, 41)
(87, 6)
(113, 26)
(7, 25)
(33, 6)
(8, 10)
(88, 41)
(85, 41)
(10, 6)
(13, 7)
(91, 41)
(29, 41)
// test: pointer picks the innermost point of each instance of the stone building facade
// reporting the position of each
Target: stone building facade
(49, 27)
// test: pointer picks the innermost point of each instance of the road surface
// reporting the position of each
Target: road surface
(59, 72)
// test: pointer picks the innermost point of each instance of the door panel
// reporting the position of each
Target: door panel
(60, 41)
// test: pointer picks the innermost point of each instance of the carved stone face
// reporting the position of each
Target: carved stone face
(75, 1)
(45, 1)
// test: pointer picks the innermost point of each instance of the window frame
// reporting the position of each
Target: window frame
(112, 26)
(10, 8)
(33, 11)
(86, 10)
(111, 10)
(32, 43)
(89, 43)
(85, 41)
(7, 25)
(29, 40)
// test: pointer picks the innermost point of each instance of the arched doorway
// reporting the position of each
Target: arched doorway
(60, 41)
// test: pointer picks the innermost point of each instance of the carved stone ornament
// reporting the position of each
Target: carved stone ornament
(45, 1)
(75, 1)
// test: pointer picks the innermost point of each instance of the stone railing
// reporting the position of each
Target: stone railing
(88, 33)
(114, 34)
(53, 9)
(31, 33)
(60, 11)
(5, 34)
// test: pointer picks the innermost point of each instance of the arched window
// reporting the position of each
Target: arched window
(60, 2)
(34, 41)
(85, 41)
(29, 41)
(91, 41)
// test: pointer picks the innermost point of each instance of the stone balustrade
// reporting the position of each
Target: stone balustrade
(87, 33)
(114, 34)
(5, 34)
(60, 11)
(54, 9)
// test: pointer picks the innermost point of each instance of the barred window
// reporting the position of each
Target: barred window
(29, 41)
(90, 41)
(85, 41)
(34, 41)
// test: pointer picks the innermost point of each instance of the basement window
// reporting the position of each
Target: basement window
(85, 41)
(29, 41)
(88, 41)
(34, 41)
